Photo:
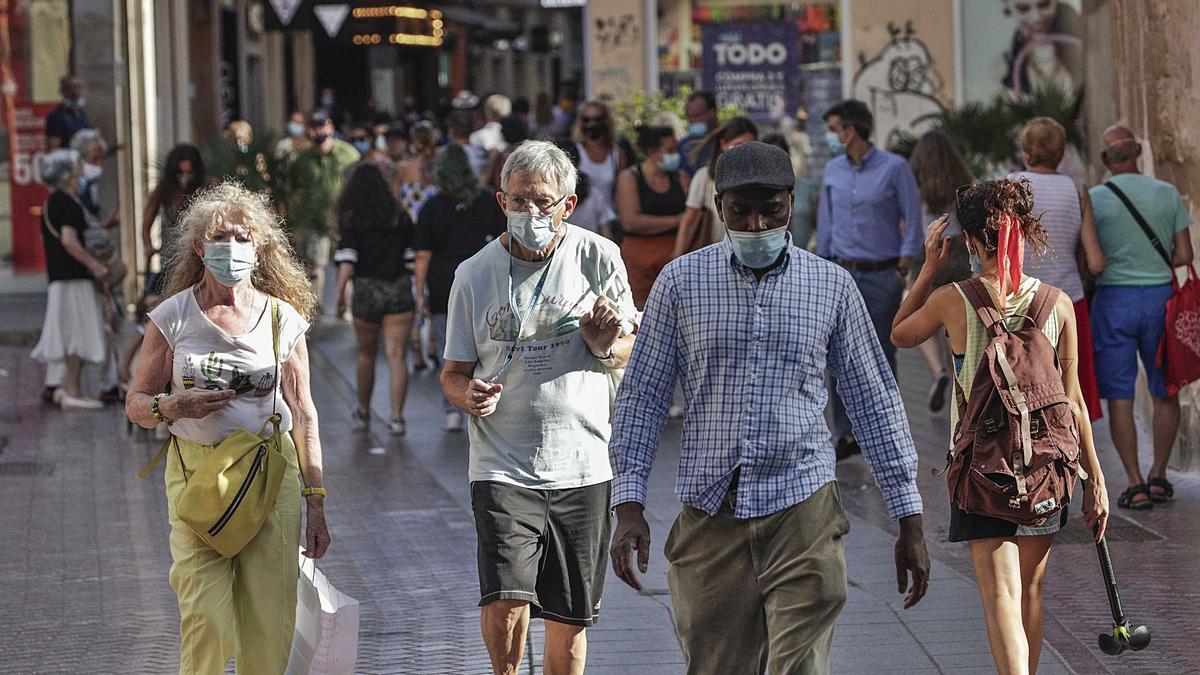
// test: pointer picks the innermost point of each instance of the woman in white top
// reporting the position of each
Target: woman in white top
(701, 191)
(1066, 214)
(209, 344)
(600, 159)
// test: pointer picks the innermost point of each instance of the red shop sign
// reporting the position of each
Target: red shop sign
(28, 195)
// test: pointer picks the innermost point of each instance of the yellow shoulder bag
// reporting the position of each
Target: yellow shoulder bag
(231, 492)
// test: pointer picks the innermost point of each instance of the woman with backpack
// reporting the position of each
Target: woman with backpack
(1007, 521)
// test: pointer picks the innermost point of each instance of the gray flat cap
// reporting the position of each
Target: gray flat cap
(754, 164)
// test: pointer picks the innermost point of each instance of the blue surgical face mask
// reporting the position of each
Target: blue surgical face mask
(670, 162)
(295, 129)
(697, 128)
(834, 143)
(362, 145)
(976, 263)
(230, 262)
(534, 231)
(758, 250)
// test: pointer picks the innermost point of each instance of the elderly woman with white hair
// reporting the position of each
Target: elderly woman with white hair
(92, 150)
(73, 330)
(225, 351)
(536, 326)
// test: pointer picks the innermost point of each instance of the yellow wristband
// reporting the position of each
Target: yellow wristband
(309, 491)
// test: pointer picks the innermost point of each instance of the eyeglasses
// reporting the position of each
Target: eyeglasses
(590, 120)
(958, 193)
(519, 204)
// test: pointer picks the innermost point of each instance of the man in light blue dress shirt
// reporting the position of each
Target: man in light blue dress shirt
(868, 221)
(749, 327)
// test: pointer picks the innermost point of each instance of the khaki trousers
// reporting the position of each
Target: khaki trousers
(759, 595)
(245, 606)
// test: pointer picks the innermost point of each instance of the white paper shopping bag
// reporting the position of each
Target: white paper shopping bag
(326, 638)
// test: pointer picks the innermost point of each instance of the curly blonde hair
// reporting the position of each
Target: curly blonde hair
(277, 272)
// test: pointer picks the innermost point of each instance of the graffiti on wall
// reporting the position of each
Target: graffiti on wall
(901, 85)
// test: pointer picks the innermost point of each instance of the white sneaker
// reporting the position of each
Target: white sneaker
(57, 396)
(361, 419)
(454, 421)
(397, 427)
(69, 402)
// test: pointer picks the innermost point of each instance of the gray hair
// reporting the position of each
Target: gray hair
(57, 167)
(83, 140)
(541, 159)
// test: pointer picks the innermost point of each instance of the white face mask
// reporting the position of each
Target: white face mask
(758, 250)
(92, 171)
(230, 262)
(534, 231)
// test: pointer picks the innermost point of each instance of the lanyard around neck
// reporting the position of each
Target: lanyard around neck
(512, 306)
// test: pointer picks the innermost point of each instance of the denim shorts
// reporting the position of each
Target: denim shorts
(1127, 321)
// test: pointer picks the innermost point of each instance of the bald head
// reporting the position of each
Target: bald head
(1121, 148)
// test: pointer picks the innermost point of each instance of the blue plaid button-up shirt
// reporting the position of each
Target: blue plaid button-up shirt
(752, 356)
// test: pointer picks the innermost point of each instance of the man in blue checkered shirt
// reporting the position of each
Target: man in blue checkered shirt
(749, 326)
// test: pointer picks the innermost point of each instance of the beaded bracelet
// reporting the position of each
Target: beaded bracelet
(158, 413)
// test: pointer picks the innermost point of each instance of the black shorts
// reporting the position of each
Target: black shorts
(546, 547)
(376, 298)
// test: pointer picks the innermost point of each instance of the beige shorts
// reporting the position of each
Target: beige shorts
(313, 248)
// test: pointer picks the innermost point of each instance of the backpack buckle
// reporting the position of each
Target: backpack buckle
(990, 425)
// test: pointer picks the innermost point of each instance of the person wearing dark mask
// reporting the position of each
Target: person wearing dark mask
(749, 327)
(651, 198)
(182, 176)
(600, 159)
(316, 180)
(701, 113)
(69, 116)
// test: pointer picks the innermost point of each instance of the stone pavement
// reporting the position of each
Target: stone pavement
(85, 583)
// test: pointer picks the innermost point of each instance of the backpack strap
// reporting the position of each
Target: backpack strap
(979, 297)
(1043, 304)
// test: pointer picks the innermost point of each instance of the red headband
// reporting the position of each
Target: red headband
(1010, 254)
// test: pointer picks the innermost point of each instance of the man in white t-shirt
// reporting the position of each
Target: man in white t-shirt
(539, 322)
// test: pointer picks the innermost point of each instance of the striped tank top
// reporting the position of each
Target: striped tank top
(1056, 200)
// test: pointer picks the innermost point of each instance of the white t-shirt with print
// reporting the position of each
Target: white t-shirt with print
(550, 429)
(209, 358)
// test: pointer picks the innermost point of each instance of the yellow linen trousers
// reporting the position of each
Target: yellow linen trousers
(245, 606)
(760, 595)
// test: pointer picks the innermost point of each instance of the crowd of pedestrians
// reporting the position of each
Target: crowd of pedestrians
(578, 287)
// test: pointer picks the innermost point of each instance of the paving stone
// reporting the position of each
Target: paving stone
(86, 591)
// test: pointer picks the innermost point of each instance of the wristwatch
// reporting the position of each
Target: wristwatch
(309, 491)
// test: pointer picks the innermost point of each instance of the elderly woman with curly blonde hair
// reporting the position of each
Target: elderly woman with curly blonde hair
(208, 368)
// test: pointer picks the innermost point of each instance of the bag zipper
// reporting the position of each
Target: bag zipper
(241, 493)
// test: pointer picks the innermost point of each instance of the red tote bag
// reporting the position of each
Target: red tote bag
(1179, 351)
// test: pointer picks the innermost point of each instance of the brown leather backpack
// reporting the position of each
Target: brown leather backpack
(1015, 453)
